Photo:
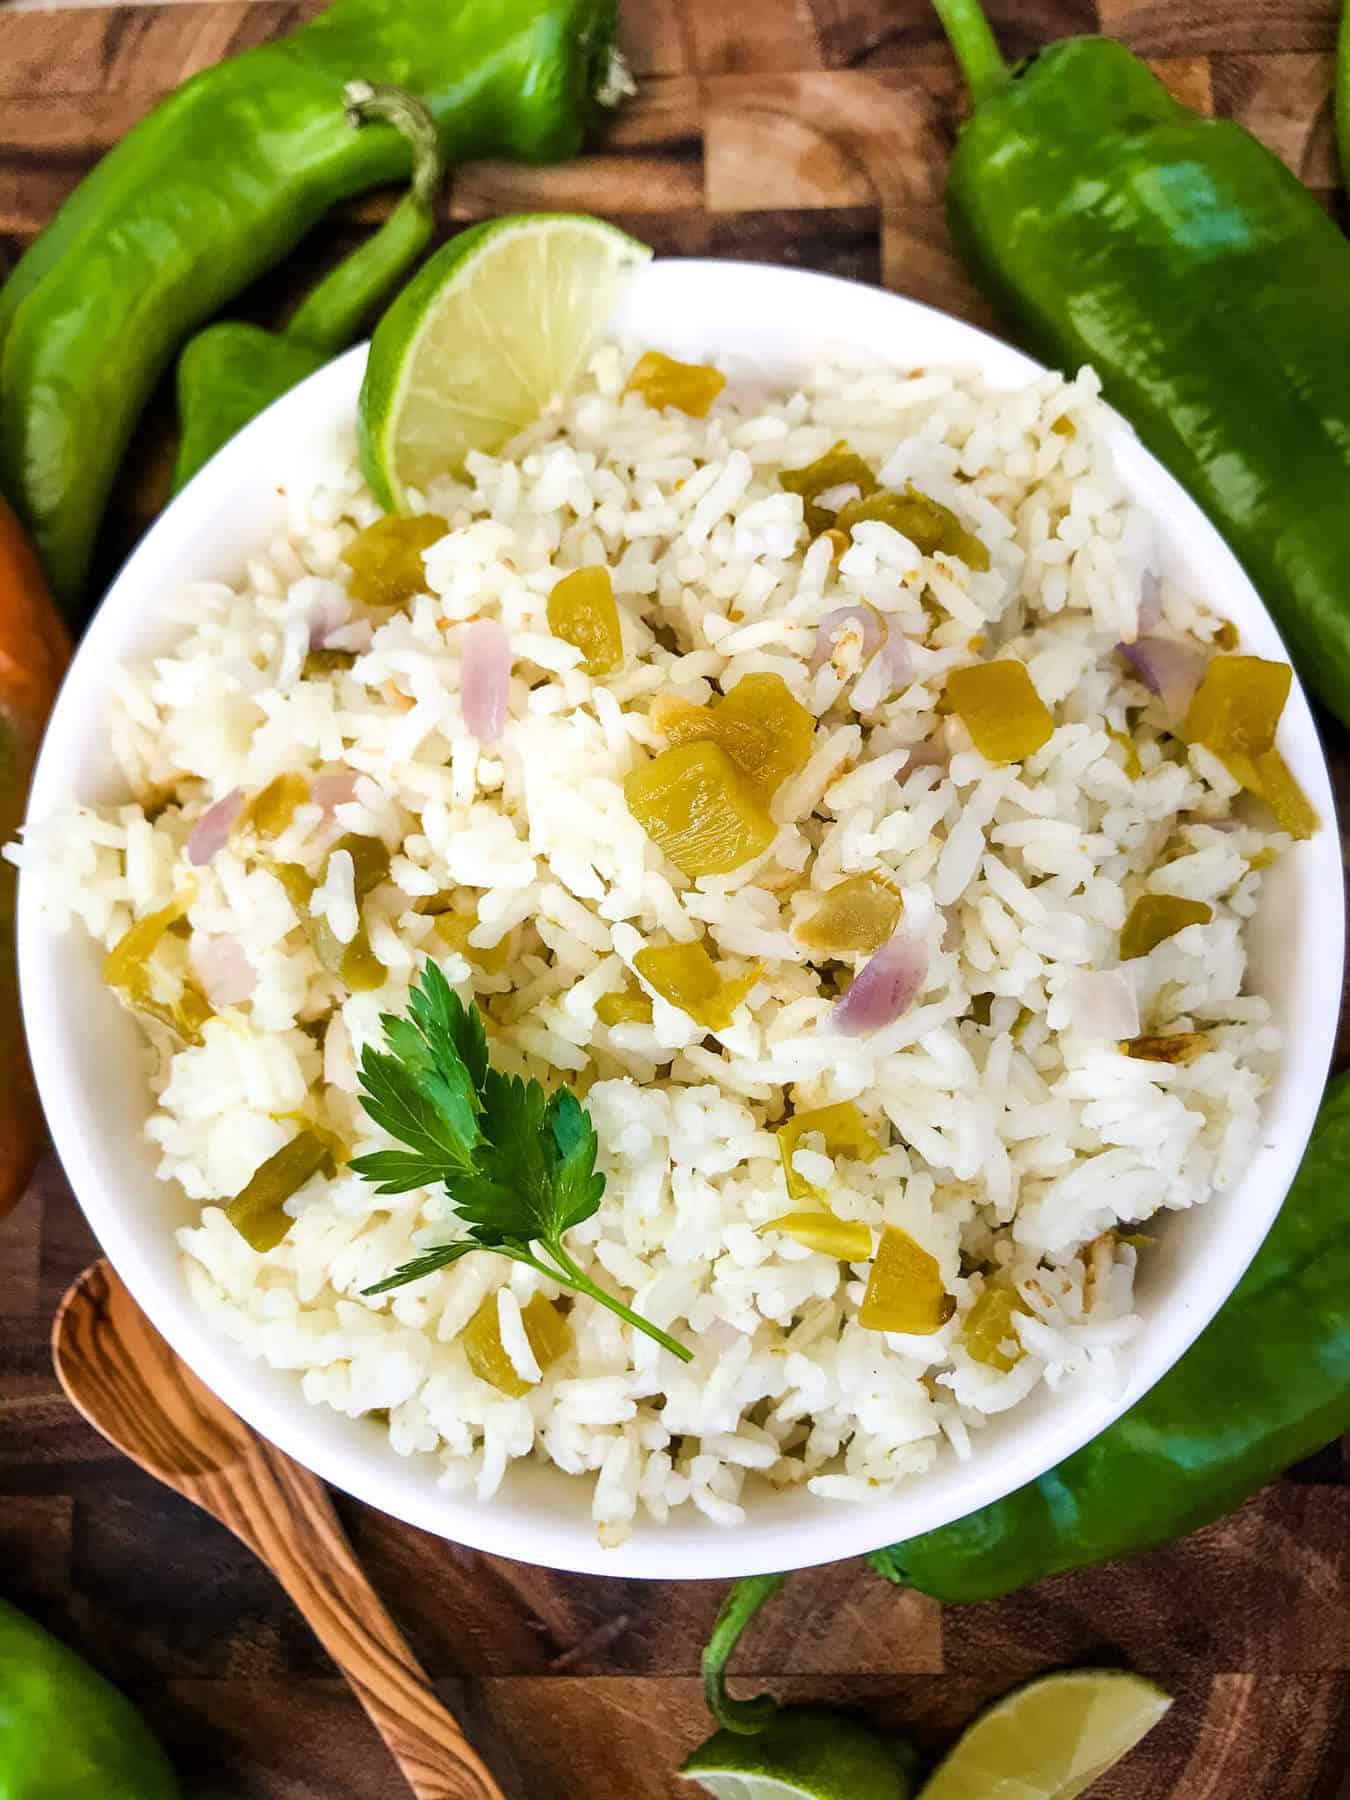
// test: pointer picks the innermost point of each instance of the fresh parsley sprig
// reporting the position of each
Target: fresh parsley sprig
(517, 1164)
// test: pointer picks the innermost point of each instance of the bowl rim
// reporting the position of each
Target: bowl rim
(699, 1549)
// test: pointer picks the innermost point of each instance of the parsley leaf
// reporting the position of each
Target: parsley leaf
(399, 1171)
(442, 1018)
(576, 1188)
(425, 1264)
(394, 1098)
(518, 1164)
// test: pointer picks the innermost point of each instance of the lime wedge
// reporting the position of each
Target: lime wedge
(803, 1753)
(488, 334)
(1051, 1739)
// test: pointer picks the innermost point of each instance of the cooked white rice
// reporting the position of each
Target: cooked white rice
(1016, 1144)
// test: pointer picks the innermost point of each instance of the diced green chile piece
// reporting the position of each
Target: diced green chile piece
(929, 525)
(698, 807)
(838, 467)
(1154, 917)
(257, 1210)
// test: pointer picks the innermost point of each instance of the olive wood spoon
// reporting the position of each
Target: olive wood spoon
(128, 1383)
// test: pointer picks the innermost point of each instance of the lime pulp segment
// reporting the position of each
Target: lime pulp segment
(491, 333)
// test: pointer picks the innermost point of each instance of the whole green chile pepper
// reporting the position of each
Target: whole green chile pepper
(65, 1732)
(1201, 280)
(232, 371)
(218, 182)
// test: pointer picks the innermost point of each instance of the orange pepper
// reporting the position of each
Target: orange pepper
(34, 651)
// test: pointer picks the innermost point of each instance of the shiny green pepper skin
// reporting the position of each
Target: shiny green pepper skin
(1266, 1383)
(217, 183)
(65, 1732)
(232, 371)
(227, 375)
(1200, 279)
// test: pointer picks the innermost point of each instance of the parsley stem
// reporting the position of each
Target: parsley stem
(582, 1282)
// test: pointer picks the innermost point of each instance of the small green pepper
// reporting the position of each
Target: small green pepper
(232, 371)
(65, 1732)
(698, 808)
(765, 732)
(905, 1291)
(848, 1239)
(1171, 1047)
(854, 917)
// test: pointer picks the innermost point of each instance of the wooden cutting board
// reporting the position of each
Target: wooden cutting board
(813, 132)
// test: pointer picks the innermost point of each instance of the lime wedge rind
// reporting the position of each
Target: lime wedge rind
(804, 1753)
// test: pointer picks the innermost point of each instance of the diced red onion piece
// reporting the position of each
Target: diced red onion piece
(829, 627)
(326, 616)
(484, 679)
(333, 789)
(721, 1334)
(886, 986)
(1103, 1003)
(227, 975)
(898, 654)
(212, 831)
(930, 753)
(1168, 668)
(1150, 602)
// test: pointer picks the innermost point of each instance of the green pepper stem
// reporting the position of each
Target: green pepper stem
(976, 50)
(743, 1601)
(576, 1278)
(616, 82)
(329, 319)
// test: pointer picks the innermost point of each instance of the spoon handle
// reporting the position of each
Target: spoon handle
(284, 1515)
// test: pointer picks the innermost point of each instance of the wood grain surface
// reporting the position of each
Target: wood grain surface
(121, 1375)
(812, 132)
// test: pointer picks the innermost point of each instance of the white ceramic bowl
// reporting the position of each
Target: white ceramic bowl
(87, 1052)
